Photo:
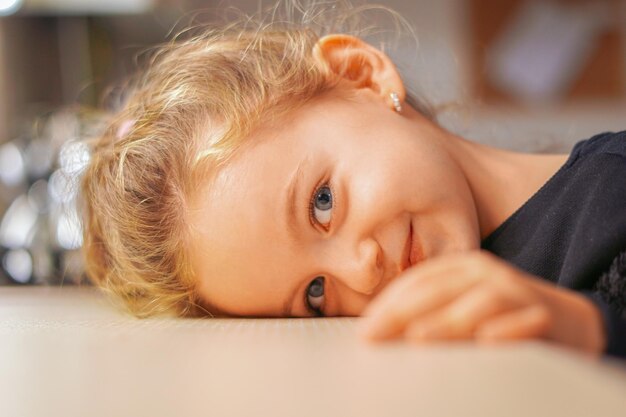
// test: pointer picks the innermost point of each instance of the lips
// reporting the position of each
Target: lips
(406, 253)
(415, 254)
(412, 252)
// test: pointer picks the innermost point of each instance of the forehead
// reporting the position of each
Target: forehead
(238, 246)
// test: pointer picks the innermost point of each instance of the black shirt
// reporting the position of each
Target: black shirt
(573, 231)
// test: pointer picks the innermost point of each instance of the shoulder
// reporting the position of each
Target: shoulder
(599, 165)
(608, 143)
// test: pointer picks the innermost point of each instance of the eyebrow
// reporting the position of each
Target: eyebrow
(291, 216)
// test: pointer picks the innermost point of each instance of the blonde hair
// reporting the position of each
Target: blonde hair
(191, 109)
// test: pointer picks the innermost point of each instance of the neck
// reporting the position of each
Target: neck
(501, 181)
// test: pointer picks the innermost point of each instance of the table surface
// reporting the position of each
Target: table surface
(69, 352)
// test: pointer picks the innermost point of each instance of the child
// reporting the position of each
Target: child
(278, 172)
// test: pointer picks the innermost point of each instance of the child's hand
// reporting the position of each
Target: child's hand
(475, 295)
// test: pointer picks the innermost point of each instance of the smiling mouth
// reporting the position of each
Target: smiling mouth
(412, 253)
(406, 253)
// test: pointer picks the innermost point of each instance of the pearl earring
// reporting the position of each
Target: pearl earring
(396, 101)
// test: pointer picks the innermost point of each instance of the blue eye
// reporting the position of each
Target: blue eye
(321, 205)
(314, 296)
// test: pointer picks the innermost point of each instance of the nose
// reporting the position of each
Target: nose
(359, 265)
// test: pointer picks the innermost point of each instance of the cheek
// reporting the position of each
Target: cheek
(442, 204)
(447, 216)
(438, 178)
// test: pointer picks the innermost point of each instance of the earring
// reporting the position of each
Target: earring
(396, 101)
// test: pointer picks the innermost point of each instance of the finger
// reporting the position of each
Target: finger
(470, 265)
(460, 318)
(391, 319)
(409, 280)
(530, 322)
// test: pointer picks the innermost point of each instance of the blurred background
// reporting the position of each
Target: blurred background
(520, 74)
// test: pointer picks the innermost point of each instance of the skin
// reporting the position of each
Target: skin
(389, 173)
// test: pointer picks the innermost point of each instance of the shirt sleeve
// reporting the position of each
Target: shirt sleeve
(609, 295)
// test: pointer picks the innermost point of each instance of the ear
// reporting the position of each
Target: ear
(359, 64)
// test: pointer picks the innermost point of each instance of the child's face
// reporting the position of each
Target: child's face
(376, 176)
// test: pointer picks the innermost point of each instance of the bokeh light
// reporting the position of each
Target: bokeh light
(17, 223)
(11, 164)
(8, 7)
(18, 264)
